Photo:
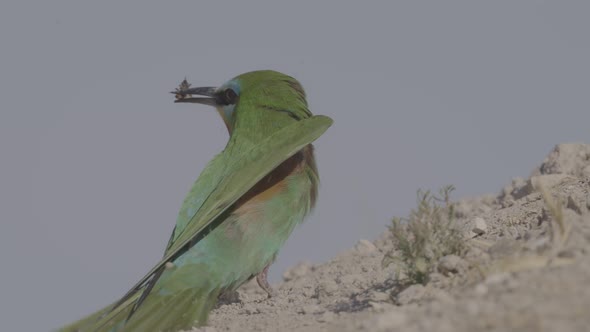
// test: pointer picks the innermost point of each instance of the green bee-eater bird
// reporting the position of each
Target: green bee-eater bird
(239, 212)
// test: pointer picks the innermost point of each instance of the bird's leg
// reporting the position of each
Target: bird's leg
(262, 280)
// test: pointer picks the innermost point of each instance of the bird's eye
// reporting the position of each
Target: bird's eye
(228, 97)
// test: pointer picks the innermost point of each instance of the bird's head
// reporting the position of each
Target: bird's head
(257, 91)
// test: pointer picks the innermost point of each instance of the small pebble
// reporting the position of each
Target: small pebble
(497, 278)
(573, 205)
(410, 294)
(365, 247)
(452, 264)
(311, 309)
(297, 271)
(480, 226)
(326, 317)
(379, 296)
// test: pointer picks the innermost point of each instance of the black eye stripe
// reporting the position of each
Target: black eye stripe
(226, 97)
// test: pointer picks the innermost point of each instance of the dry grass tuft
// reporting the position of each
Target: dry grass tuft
(426, 235)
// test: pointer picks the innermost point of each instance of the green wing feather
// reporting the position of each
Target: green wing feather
(228, 177)
(245, 170)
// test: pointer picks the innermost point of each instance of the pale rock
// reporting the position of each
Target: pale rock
(479, 226)
(326, 289)
(297, 271)
(379, 296)
(365, 247)
(311, 309)
(547, 181)
(570, 158)
(519, 188)
(452, 264)
(497, 278)
(250, 310)
(381, 306)
(435, 278)
(326, 317)
(410, 294)
(475, 254)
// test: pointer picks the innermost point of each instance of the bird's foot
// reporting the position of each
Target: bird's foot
(262, 280)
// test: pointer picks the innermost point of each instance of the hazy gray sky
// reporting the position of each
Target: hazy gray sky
(96, 159)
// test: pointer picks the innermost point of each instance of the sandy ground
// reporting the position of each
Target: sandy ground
(522, 271)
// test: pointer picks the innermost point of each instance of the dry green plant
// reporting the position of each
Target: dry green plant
(559, 227)
(426, 235)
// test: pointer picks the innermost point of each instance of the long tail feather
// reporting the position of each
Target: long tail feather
(179, 310)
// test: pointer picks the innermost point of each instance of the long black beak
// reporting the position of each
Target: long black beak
(184, 94)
